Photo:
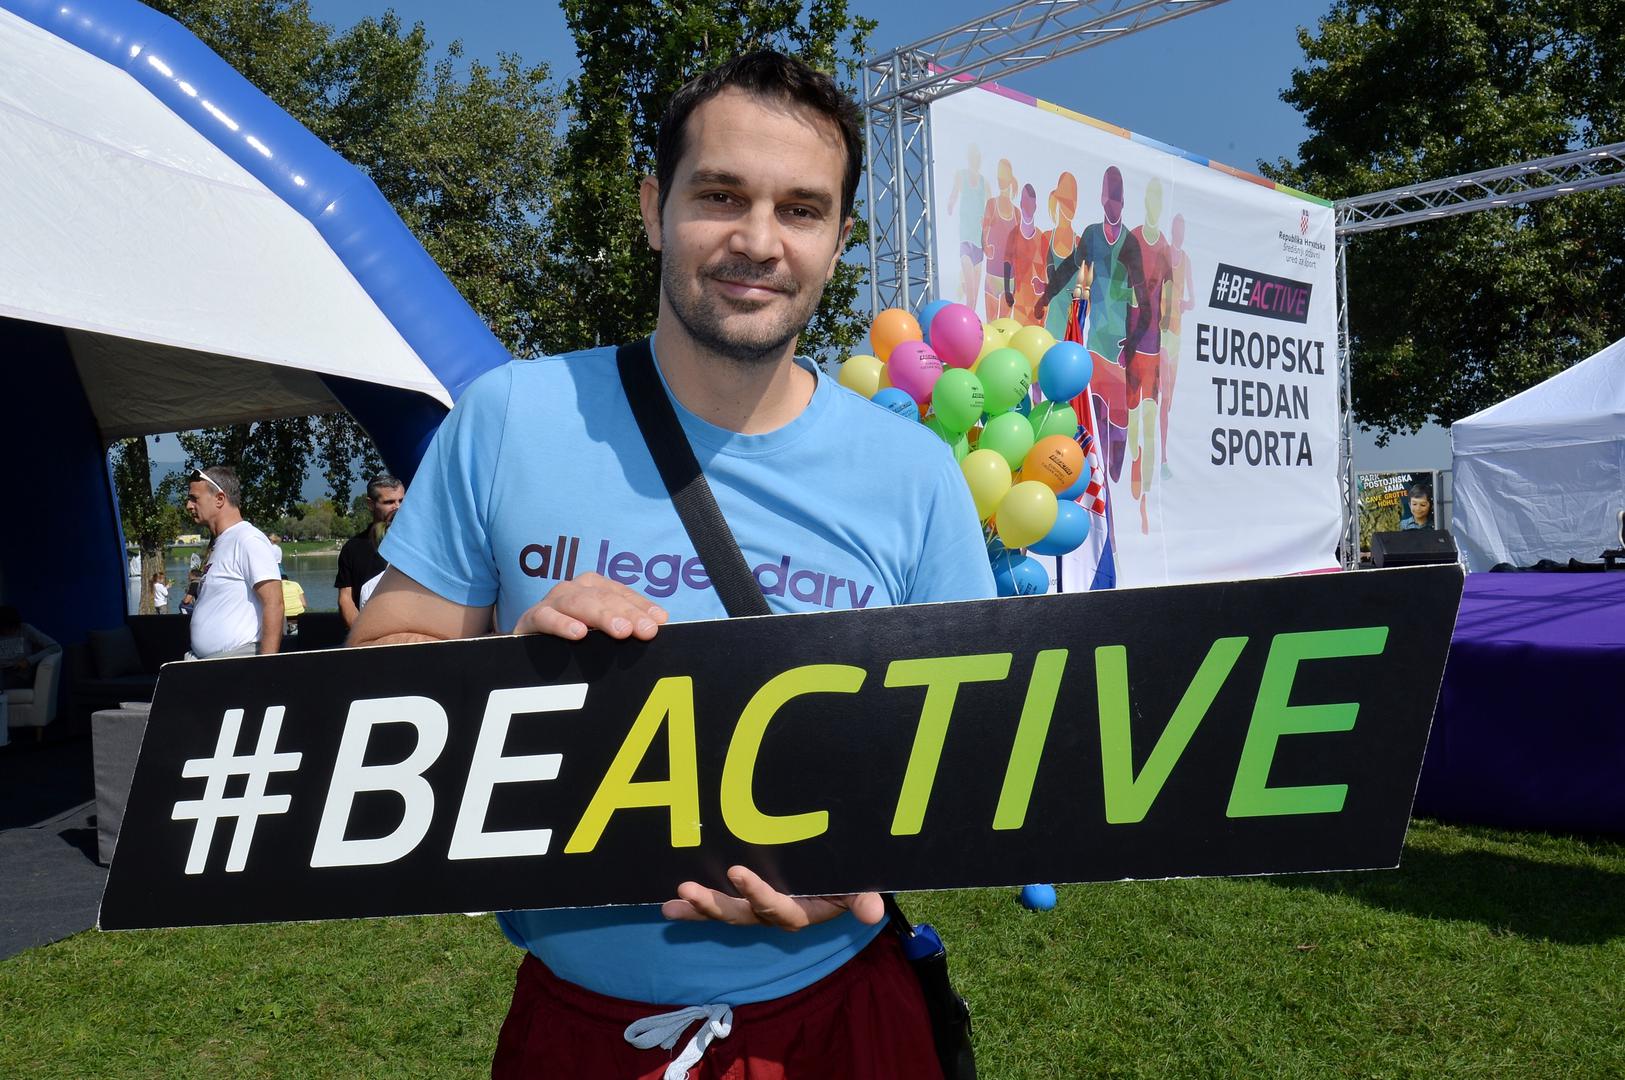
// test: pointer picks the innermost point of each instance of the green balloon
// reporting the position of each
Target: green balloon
(1009, 435)
(1006, 376)
(957, 399)
(1054, 418)
(955, 439)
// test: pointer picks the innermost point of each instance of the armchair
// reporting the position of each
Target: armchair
(35, 706)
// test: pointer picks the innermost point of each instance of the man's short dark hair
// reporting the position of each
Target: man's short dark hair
(222, 478)
(381, 482)
(765, 74)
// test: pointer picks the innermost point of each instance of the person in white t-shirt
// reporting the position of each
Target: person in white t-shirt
(160, 592)
(239, 610)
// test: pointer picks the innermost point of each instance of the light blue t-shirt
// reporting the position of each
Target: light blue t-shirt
(540, 474)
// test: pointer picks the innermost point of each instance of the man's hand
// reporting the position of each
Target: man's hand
(592, 602)
(758, 904)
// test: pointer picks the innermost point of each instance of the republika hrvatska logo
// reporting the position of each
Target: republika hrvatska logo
(1303, 223)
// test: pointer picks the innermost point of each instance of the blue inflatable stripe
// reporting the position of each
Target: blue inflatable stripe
(344, 205)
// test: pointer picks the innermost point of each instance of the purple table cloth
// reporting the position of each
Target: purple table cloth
(1530, 728)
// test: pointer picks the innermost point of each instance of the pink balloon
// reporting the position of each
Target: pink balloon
(956, 335)
(914, 369)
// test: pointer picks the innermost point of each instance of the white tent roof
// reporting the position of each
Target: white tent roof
(1542, 474)
(1584, 404)
(123, 224)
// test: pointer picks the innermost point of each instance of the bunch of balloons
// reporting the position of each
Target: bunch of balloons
(971, 384)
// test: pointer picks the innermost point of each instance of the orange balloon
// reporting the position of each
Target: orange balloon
(891, 328)
(1055, 461)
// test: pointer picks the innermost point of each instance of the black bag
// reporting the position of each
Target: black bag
(725, 565)
(950, 1013)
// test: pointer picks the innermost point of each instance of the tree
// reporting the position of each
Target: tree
(634, 56)
(151, 519)
(465, 160)
(1449, 317)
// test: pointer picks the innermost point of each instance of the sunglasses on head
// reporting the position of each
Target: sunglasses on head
(199, 474)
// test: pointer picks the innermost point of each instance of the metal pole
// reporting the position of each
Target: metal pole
(1345, 449)
(899, 169)
(872, 207)
(930, 290)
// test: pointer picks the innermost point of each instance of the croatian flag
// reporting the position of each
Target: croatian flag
(1092, 562)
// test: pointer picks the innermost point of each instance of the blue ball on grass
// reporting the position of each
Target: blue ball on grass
(1038, 897)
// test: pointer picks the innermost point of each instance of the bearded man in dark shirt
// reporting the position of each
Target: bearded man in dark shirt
(359, 561)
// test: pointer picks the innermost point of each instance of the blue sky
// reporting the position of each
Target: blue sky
(1209, 83)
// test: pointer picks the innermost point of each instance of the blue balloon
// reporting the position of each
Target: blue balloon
(1079, 486)
(1065, 370)
(1016, 575)
(1071, 529)
(929, 312)
(898, 402)
(1038, 897)
(1025, 406)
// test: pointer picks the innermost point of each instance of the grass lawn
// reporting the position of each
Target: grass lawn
(1488, 954)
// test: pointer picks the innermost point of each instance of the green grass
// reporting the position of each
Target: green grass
(1487, 955)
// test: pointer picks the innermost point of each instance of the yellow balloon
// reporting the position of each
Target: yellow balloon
(1007, 327)
(991, 339)
(1026, 514)
(988, 476)
(1032, 342)
(885, 379)
(861, 374)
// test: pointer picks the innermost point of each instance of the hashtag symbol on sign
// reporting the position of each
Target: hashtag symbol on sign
(248, 806)
(1221, 286)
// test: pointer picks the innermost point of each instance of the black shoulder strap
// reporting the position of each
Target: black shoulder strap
(680, 470)
(685, 481)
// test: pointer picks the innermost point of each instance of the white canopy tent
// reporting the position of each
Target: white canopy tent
(166, 257)
(177, 252)
(1541, 475)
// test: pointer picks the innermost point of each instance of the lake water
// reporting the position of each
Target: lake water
(313, 570)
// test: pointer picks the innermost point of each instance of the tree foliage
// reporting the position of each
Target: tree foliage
(1449, 317)
(151, 516)
(634, 55)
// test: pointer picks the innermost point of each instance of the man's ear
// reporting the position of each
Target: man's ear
(649, 204)
(840, 247)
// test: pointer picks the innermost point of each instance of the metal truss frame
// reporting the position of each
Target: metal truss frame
(1489, 189)
(1532, 181)
(899, 86)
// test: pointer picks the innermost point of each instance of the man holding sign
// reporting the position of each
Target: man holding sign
(539, 509)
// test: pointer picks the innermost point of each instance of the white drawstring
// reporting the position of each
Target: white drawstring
(665, 1029)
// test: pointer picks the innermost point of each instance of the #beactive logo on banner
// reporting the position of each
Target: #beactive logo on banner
(1208, 303)
(1053, 738)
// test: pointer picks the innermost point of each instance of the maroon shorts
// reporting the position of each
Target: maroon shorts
(864, 1021)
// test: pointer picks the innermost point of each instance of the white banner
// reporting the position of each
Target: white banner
(1209, 303)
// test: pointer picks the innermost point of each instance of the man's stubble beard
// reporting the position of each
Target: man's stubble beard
(703, 321)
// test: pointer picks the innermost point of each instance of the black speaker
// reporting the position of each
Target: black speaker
(1412, 547)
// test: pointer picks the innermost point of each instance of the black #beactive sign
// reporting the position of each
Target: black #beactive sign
(1237, 728)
